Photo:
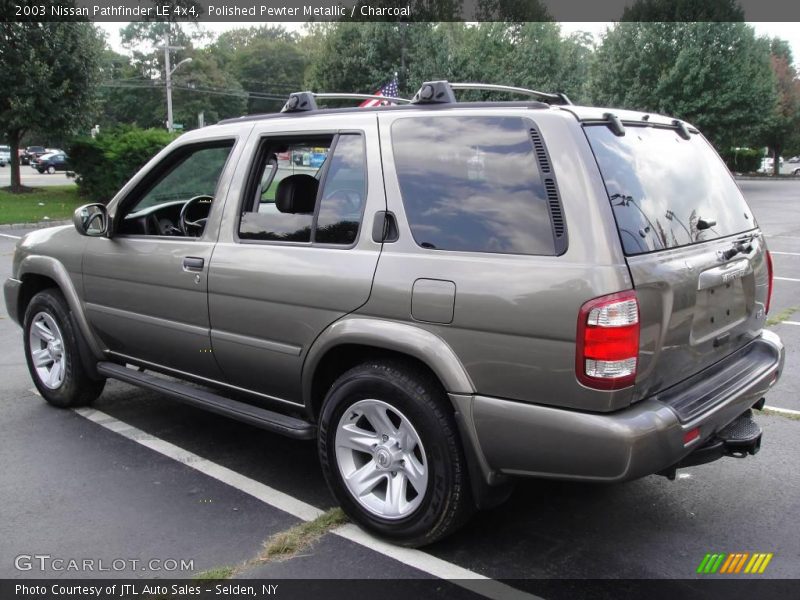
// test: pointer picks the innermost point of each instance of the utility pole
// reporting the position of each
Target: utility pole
(168, 76)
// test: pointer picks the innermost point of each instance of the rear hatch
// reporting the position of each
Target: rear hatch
(697, 260)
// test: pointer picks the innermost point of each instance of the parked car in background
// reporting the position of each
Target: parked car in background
(30, 153)
(5, 155)
(791, 167)
(50, 163)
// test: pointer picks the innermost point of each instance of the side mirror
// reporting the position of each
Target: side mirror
(91, 220)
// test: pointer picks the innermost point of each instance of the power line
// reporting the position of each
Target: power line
(158, 85)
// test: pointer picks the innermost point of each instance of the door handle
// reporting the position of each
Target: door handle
(193, 263)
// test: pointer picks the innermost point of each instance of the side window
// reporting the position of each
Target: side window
(189, 172)
(343, 194)
(194, 173)
(304, 191)
(473, 184)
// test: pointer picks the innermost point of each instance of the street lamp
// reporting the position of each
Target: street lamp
(169, 73)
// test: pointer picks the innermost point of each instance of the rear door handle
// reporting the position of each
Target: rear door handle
(193, 263)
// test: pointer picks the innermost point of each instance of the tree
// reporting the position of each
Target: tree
(202, 85)
(782, 131)
(49, 77)
(265, 60)
(716, 75)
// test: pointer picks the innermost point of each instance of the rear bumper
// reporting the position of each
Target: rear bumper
(515, 438)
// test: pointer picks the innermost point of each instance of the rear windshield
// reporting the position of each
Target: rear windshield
(661, 185)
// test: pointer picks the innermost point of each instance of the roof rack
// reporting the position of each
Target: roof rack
(306, 101)
(441, 92)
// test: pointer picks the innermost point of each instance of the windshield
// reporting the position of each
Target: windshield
(667, 191)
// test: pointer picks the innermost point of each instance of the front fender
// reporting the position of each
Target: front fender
(390, 335)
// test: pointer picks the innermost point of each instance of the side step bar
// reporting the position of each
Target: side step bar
(207, 400)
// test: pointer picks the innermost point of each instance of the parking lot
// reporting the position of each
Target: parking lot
(143, 477)
(33, 178)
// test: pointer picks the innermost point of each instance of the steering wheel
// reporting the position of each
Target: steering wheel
(350, 198)
(196, 226)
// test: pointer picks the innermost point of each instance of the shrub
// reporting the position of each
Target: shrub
(742, 160)
(103, 164)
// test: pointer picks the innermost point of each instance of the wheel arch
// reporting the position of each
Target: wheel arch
(350, 341)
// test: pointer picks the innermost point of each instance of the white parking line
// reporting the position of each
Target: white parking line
(785, 253)
(785, 411)
(417, 559)
(790, 322)
(785, 279)
(13, 237)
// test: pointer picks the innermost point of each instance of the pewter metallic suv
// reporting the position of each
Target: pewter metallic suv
(445, 295)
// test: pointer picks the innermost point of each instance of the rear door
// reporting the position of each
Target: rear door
(292, 260)
(697, 259)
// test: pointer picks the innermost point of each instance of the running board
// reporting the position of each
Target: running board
(207, 400)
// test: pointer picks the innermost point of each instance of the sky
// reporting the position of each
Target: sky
(788, 31)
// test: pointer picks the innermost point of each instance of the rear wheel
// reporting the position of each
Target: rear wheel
(391, 454)
(51, 350)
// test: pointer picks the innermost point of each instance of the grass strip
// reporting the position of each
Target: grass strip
(43, 204)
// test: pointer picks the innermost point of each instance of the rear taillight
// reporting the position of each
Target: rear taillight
(769, 282)
(608, 341)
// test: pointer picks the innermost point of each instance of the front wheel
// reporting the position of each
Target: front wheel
(391, 453)
(51, 350)
(51, 170)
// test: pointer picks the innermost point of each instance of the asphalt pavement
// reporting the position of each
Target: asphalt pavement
(75, 488)
(32, 178)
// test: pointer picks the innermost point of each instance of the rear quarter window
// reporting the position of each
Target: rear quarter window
(472, 183)
(661, 186)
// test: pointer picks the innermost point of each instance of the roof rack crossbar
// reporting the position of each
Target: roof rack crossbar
(306, 101)
(557, 98)
(336, 96)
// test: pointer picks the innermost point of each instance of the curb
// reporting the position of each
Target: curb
(34, 225)
(765, 178)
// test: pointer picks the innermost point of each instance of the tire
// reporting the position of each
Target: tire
(50, 170)
(48, 332)
(413, 433)
(796, 172)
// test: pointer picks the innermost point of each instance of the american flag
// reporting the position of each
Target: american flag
(387, 89)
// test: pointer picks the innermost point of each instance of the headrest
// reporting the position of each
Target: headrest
(296, 194)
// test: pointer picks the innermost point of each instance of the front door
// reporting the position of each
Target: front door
(297, 256)
(146, 287)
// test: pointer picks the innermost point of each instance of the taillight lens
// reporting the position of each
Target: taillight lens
(769, 283)
(607, 351)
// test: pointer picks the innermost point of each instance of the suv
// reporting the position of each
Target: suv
(31, 153)
(5, 155)
(449, 296)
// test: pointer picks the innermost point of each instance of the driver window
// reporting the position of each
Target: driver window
(185, 174)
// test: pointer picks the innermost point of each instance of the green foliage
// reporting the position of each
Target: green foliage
(267, 60)
(105, 163)
(782, 129)
(715, 75)
(742, 160)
